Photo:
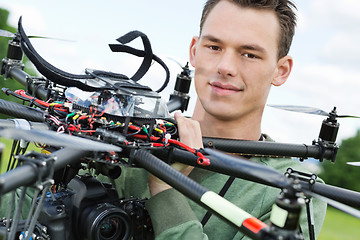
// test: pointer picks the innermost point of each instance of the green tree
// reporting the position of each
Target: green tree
(340, 173)
(4, 15)
(4, 41)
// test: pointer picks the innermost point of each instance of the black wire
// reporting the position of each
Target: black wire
(131, 134)
(172, 130)
(11, 158)
(24, 99)
(15, 150)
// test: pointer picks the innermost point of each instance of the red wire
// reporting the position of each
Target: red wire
(202, 160)
(82, 117)
(133, 127)
(58, 106)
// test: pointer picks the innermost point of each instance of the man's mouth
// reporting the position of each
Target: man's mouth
(224, 89)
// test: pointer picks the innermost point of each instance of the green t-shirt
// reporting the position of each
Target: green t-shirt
(176, 217)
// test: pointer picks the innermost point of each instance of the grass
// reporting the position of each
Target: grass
(339, 225)
(6, 152)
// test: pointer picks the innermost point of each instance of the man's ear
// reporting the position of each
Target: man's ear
(193, 43)
(283, 71)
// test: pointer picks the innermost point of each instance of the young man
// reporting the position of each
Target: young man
(241, 52)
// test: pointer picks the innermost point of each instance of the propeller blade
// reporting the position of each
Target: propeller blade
(301, 109)
(175, 61)
(4, 33)
(180, 65)
(58, 139)
(340, 206)
(357, 164)
(59, 39)
(309, 110)
(346, 116)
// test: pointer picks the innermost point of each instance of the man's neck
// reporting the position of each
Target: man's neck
(244, 128)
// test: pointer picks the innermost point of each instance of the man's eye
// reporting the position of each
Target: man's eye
(250, 55)
(215, 48)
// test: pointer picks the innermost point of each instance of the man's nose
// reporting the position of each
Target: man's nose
(227, 64)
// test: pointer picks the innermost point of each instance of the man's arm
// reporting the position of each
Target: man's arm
(171, 215)
(189, 134)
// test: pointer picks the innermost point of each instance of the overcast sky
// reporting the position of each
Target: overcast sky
(326, 51)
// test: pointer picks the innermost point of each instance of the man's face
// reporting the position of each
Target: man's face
(235, 60)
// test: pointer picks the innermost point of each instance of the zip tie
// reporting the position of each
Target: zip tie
(167, 137)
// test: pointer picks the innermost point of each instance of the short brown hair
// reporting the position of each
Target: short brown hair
(284, 10)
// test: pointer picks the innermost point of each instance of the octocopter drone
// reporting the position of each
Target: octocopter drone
(103, 121)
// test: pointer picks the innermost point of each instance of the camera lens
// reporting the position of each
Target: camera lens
(105, 222)
(109, 227)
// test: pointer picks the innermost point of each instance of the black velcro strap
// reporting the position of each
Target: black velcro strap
(141, 53)
(148, 56)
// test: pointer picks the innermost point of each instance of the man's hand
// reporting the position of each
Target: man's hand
(189, 131)
(189, 134)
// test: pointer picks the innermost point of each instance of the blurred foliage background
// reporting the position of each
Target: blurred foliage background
(9, 83)
(340, 173)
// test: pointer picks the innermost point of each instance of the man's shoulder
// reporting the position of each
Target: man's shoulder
(282, 163)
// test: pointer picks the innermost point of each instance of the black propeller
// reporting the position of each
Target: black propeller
(7, 34)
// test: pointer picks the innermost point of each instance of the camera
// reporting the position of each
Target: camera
(90, 209)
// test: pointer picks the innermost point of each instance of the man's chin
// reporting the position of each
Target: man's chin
(222, 113)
